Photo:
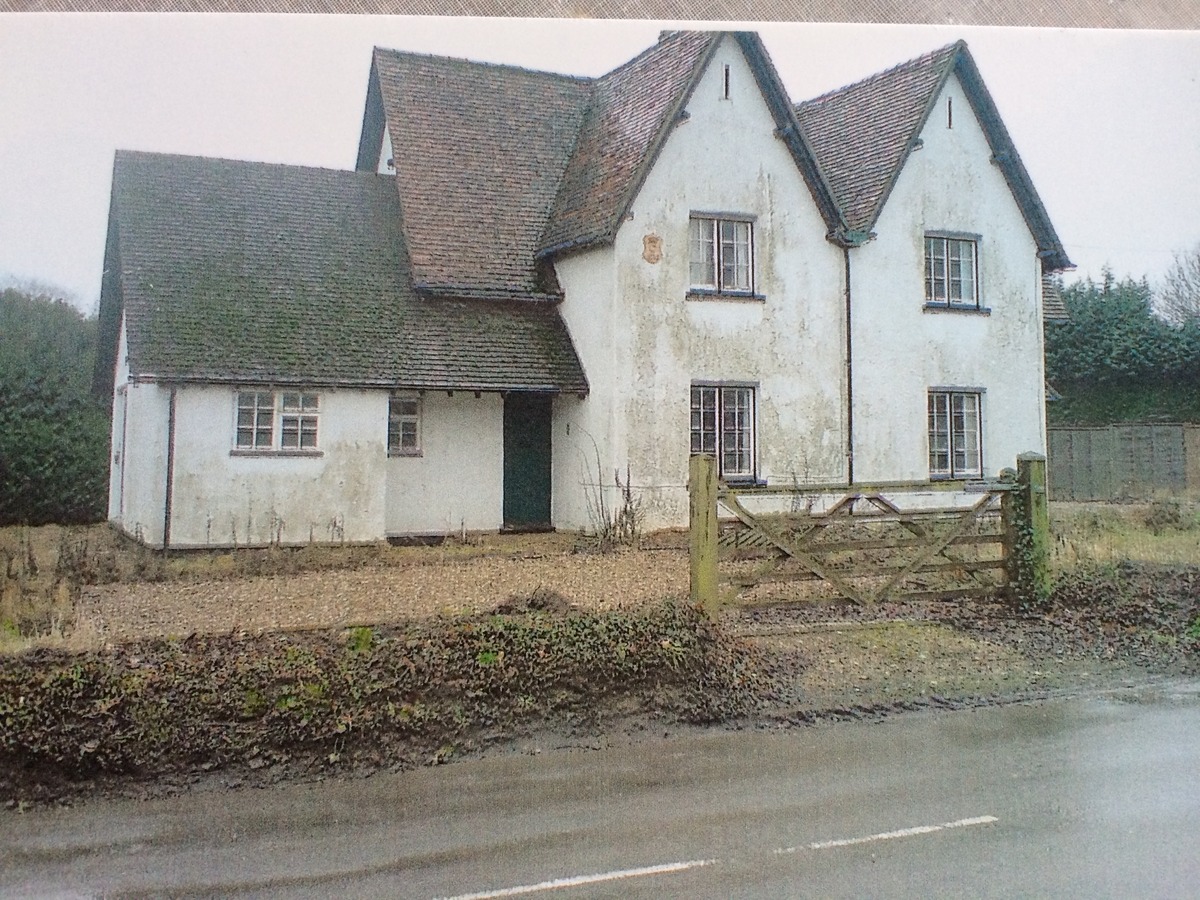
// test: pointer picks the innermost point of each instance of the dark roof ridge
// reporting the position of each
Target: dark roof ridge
(889, 72)
(127, 153)
(464, 62)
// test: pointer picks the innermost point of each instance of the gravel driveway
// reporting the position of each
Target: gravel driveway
(377, 594)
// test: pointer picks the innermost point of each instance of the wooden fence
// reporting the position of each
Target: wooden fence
(1124, 462)
(868, 543)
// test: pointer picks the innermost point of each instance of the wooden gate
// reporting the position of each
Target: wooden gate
(867, 547)
(866, 543)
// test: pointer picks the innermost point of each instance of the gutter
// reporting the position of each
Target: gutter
(849, 374)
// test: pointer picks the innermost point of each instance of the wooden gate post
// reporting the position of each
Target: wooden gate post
(1027, 521)
(702, 530)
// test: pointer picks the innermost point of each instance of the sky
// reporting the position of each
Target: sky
(1107, 123)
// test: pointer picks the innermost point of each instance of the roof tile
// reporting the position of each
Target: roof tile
(253, 272)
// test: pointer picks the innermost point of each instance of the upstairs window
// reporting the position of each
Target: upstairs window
(404, 426)
(723, 426)
(951, 272)
(722, 255)
(954, 430)
(268, 421)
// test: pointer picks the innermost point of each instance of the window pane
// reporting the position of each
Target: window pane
(939, 434)
(735, 256)
(703, 265)
(965, 434)
(291, 402)
(935, 270)
(704, 420)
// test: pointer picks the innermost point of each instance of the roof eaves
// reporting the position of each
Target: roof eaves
(788, 128)
(1004, 154)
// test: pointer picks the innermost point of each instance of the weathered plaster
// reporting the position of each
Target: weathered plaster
(901, 350)
(643, 356)
(221, 498)
(457, 481)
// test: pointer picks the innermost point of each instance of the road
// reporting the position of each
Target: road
(1092, 796)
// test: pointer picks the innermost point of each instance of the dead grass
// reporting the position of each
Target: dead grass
(1166, 532)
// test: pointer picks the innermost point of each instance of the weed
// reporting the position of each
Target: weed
(360, 639)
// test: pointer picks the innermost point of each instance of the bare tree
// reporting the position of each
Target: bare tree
(1178, 300)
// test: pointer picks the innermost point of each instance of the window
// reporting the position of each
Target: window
(950, 272)
(404, 426)
(722, 255)
(263, 424)
(723, 425)
(255, 420)
(298, 422)
(954, 428)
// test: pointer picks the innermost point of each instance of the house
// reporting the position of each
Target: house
(532, 282)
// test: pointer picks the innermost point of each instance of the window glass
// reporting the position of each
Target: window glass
(723, 425)
(404, 426)
(954, 439)
(721, 254)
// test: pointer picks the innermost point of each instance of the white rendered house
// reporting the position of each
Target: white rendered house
(532, 282)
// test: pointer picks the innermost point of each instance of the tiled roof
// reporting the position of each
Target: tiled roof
(249, 272)
(862, 135)
(631, 109)
(479, 152)
(1053, 307)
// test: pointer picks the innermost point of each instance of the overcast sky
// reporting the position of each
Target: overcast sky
(1108, 123)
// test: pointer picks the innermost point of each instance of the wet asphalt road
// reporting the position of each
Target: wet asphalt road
(1093, 796)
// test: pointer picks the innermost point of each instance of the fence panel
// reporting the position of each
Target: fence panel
(1122, 462)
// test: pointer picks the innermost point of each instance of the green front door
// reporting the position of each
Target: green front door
(527, 462)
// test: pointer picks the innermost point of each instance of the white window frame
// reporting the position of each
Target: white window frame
(955, 433)
(398, 418)
(285, 422)
(731, 433)
(719, 260)
(952, 280)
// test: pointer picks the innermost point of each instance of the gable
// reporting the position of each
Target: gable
(864, 133)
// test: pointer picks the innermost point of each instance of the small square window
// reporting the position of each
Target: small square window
(951, 272)
(721, 255)
(404, 426)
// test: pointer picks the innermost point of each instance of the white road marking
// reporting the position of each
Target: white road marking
(890, 835)
(579, 880)
(666, 868)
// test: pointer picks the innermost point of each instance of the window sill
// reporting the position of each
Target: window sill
(956, 477)
(965, 310)
(700, 294)
(414, 454)
(292, 454)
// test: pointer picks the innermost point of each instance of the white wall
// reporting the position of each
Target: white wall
(901, 350)
(221, 498)
(723, 158)
(457, 482)
(145, 456)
